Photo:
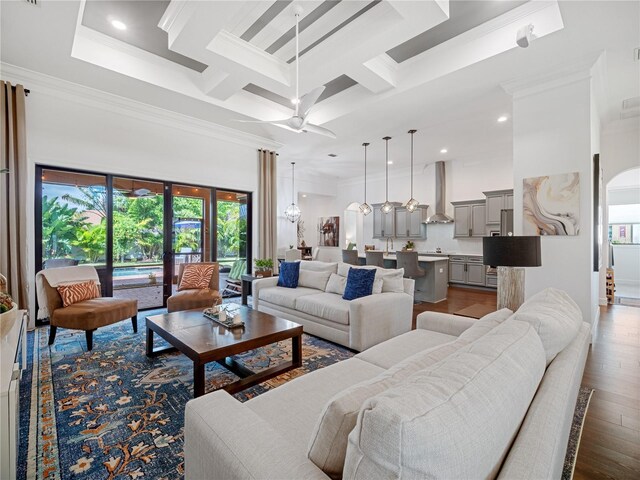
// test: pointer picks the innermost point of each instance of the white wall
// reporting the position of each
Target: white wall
(95, 131)
(552, 130)
(465, 180)
(627, 267)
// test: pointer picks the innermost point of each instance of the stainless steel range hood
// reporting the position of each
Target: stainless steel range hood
(441, 192)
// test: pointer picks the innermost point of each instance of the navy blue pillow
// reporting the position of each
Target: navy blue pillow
(359, 283)
(289, 273)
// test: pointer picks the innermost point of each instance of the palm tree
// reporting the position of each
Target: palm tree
(90, 198)
(60, 224)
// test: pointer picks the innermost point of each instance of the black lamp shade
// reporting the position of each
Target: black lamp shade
(511, 251)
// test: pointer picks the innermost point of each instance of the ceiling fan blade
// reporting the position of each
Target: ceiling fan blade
(309, 100)
(261, 121)
(311, 128)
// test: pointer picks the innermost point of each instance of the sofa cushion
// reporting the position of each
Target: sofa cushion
(337, 284)
(391, 277)
(289, 274)
(554, 316)
(359, 283)
(316, 266)
(395, 350)
(441, 422)
(328, 445)
(313, 279)
(325, 305)
(284, 296)
(293, 408)
(485, 324)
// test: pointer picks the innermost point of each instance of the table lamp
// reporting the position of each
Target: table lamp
(508, 253)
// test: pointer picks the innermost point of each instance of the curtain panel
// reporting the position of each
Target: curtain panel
(13, 192)
(267, 206)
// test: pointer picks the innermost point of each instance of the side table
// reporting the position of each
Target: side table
(247, 280)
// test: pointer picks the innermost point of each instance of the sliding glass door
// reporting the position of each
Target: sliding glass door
(138, 241)
(137, 232)
(73, 210)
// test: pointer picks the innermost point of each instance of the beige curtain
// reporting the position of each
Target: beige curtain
(13, 193)
(267, 207)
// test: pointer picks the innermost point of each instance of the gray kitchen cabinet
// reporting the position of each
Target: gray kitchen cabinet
(497, 200)
(409, 224)
(457, 272)
(383, 223)
(467, 270)
(475, 274)
(469, 217)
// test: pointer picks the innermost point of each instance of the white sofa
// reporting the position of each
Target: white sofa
(455, 398)
(357, 324)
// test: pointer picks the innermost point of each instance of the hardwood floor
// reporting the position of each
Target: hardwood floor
(610, 445)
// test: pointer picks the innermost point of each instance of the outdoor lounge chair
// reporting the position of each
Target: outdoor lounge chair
(233, 287)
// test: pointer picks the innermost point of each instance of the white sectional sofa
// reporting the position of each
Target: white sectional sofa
(455, 398)
(317, 304)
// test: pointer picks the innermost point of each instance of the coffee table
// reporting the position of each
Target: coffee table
(205, 341)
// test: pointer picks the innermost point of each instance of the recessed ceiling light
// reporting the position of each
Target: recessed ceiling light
(444, 150)
(390, 162)
(333, 155)
(304, 195)
(502, 118)
(118, 24)
(295, 101)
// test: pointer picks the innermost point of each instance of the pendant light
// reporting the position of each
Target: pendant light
(412, 204)
(292, 212)
(387, 206)
(365, 208)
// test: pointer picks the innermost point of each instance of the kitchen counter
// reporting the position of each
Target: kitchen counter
(432, 287)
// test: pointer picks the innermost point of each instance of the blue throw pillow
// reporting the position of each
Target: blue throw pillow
(359, 283)
(289, 273)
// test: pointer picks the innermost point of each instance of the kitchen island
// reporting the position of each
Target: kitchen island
(432, 287)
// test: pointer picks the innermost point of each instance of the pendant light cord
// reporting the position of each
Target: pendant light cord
(386, 139)
(293, 179)
(297, 68)
(365, 173)
(412, 132)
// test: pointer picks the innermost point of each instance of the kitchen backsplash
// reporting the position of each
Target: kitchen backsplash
(438, 235)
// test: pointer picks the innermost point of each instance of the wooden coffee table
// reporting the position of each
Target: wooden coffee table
(204, 341)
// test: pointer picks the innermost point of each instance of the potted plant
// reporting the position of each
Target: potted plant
(8, 311)
(152, 278)
(408, 247)
(264, 267)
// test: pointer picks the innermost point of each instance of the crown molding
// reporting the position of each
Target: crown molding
(40, 83)
(558, 76)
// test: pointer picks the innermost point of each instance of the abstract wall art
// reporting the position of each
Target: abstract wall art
(552, 205)
(329, 231)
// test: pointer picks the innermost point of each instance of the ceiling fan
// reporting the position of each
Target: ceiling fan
(299, 122)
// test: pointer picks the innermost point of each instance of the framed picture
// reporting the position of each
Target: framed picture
(551, 205)
(329, 231)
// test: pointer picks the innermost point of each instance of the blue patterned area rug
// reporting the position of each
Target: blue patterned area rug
(113, 413)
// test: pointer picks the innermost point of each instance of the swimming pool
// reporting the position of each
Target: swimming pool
(136, 271)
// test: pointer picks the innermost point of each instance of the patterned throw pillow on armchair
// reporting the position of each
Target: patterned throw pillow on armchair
(196, 276)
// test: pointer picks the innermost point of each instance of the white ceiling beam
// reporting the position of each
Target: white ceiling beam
(376, 75)
(316, 30)
(247, 16)
(283, 22)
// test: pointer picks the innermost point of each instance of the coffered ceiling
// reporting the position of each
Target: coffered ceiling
(388, 65)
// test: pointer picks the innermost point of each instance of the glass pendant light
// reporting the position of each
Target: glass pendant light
(387, 206)
(365, 208)
(292, 212)
(412, 204)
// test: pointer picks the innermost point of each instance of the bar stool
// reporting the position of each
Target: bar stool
(375, 258)
(292, 254)
(409, 261)
(350, 257)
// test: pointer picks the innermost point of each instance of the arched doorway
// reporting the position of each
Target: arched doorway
(353, 226)
(623, 236)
